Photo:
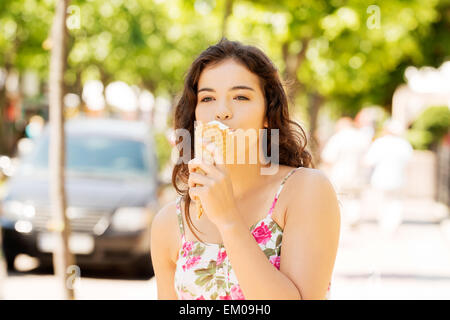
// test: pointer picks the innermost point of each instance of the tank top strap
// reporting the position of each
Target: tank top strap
(180, 217)
(279, 190)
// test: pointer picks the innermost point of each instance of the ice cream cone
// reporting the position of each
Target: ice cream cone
(215, 132)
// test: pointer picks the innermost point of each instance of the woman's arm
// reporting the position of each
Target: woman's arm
(161, 248)
(309, 247)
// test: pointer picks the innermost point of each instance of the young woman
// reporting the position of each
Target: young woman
(262, 236)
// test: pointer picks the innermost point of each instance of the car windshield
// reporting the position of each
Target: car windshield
(95, 155)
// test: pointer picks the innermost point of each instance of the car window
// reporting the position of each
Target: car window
(97, 155)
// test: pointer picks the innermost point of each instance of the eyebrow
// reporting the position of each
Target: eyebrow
(234, 88)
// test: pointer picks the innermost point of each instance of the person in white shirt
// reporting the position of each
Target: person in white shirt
(343, 154)
(389, 156)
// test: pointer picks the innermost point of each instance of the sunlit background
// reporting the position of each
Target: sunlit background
(368, 81)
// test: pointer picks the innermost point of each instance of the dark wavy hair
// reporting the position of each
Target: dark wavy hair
(292, 142)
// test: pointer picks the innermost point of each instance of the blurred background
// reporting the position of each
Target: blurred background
(368, 81)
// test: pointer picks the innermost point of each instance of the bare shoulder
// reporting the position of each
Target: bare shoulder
(307, 178)
(165, 229)
(311, 233)
(310, 176)
(166, 214)
(310, 190)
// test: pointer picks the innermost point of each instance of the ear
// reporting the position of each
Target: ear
(266, 123)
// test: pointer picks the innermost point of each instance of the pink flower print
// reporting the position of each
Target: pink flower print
(187, 247)
(236, 293)
(262, 234)
(200, 298)
(221, 256)
(273, 205)
(184, 295)
(275, 260)
(227, 297)
(192, 261)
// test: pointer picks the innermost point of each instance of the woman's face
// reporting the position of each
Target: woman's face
(230, 93)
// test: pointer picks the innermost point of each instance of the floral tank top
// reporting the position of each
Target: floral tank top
(203, 271)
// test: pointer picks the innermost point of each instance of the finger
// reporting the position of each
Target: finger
(196, 193)
(198, 178)
(195, 163)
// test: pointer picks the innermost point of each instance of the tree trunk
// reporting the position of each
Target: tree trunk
(314, 103)
(293, 63)
(3, 102)
(62, 257)
(227, 12)
(3, 267)
(3, 150)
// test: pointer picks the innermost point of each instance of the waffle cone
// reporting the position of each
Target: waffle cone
(215, 132)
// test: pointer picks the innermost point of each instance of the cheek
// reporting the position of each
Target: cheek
(258, 109)
(254, 117)
(201, 113)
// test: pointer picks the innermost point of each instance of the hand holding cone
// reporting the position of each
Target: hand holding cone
(215, 132)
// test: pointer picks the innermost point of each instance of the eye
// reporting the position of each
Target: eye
(241, 98)
(205, 99)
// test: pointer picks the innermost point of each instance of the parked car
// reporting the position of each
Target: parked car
(111, 188)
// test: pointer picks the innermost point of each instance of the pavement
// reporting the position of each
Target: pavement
(378, 258)
(397, 256)
(29, 286)
(412, 263)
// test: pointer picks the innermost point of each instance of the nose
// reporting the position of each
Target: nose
(223, 113)
(223, 116)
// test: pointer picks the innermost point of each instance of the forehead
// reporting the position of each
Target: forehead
(226, 74)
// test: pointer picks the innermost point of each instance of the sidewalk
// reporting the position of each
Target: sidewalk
(30, 287)
(411, 261)
(406, 261)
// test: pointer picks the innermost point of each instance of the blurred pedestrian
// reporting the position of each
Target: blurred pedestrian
(343, 154)
(388, 156)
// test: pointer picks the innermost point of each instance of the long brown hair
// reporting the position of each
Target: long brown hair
(292, 142)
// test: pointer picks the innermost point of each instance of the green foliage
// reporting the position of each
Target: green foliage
(24, 26)
(142, 42)
(163, 149)
(343, 55)
(419, 139)
(432, 124)
(349, 56)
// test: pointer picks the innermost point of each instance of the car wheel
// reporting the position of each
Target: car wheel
(143, 267)
(10, 256)
(46, 265)
(10, 249)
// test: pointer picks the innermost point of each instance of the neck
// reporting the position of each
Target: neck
(244, 178)
(247, 176)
